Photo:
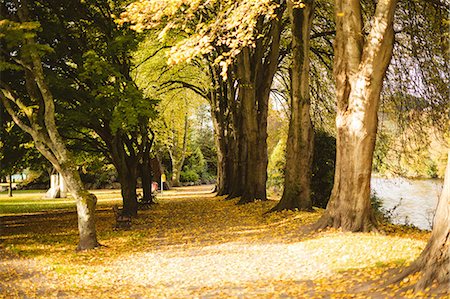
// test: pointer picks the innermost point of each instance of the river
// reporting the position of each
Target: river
(414, 201)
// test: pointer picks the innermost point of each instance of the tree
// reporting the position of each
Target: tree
(424, 67)
(13, 148)
(299, 147)
(243, 40)
(36, 105)
(178, 147)
(360, 65)
(98, 100)
(255, 69)
(417, 88)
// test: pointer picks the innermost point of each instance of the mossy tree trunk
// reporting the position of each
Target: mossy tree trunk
(360, 65)
(299, 146)
(85, 203)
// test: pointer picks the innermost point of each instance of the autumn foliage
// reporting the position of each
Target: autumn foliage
(192, 244)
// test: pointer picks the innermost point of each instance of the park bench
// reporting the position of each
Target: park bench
(122, 221)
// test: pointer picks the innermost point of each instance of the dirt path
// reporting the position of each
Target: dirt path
(194, 245)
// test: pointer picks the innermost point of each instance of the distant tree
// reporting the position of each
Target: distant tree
(14, 145)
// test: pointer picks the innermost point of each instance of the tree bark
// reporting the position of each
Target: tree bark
(147, 181)
(237, 152)
(434, 261)
(221, 146)
(127, 169)
(10, 191)
(127, 179)
(85, 203)
(255, 71)
(359, 68)
(299, 147)
(250, 128)
(221, 99)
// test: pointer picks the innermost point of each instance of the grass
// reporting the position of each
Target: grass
(33, 201)
(20, 192)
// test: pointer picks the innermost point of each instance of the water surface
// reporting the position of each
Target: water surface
(414, 201)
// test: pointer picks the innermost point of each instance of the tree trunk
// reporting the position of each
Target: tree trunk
(178, 157)
(10, 191)
(147, 179)
(434, 261)
(221, 146)
(128, 191)
(237, 153)
(359, 69)
(128, 181)
(247, 94)
(85, 203)
(220, 108)
(62, 187)
(176, 171)
(255, 71)
(126, 164)
(299, 147)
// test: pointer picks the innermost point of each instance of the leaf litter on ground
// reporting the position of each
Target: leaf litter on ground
(194, 245)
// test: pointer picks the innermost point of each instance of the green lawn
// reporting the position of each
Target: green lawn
(32, 201)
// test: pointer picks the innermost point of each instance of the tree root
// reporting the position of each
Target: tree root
(327, 221)
(79, 249)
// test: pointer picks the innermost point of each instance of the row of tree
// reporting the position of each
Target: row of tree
(78, 58)
(88, 88)
(69, 62)
(243, 55)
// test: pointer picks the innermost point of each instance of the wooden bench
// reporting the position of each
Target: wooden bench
(122, 221)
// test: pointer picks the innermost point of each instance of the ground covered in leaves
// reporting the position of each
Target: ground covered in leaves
(194, 245)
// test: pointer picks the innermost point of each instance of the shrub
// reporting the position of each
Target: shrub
(189, 176)
(323, 168)
(275, 169)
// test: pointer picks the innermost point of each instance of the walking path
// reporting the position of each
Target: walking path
(194, 245)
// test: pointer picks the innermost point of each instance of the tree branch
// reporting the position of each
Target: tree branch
(7, 97)
(150, 57)
(322, 34)
(196, 89)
